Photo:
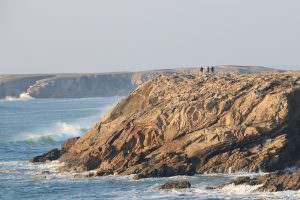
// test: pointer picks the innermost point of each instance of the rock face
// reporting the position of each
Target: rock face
(273, 182)
(182, 125)
(55, 154)
(175, 185)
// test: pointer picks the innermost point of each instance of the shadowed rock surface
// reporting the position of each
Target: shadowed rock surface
(185, 124)
(273, 182)
(175, 185)
(55, 154)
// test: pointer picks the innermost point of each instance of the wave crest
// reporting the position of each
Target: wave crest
(60, 132)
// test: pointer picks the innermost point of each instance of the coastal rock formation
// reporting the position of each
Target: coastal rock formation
(175, 185)
(185, 124)
(273, 182)
(55, 154)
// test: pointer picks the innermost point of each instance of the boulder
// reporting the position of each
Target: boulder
(175, 185)
(54, 154)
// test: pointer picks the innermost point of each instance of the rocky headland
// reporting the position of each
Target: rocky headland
(187, 124)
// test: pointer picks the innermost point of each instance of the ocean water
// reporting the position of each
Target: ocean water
(29, 127)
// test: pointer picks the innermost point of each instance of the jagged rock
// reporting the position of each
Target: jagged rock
(54, 154)
(185, 124)
(68, 144)
(175, 185)
(273, 182)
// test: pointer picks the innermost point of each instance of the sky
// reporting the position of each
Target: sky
(84, 36)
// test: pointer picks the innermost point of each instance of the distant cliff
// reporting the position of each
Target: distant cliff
(95, 85)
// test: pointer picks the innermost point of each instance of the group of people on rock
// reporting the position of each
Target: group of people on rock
(208, 69)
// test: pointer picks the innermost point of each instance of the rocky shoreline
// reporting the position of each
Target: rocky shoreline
(187, 124)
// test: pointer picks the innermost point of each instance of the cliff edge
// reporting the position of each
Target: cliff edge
(185, 124)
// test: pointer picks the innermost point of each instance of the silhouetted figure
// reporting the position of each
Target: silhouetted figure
(201, 69)
(212, 69)
(207, 69)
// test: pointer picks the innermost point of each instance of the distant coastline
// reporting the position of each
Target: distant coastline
(98, 84)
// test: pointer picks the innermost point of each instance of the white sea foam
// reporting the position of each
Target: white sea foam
(26, 166)
(22, 97)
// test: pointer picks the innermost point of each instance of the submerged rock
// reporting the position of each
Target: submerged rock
(185, 124)
(273, 182)
(176, 185)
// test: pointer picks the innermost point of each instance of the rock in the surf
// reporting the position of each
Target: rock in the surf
(54, 154)
(176, 185)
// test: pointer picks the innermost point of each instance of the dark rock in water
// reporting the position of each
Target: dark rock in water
(246, 180)
(175, 185)
(210, 188)
(273, 182)
(241, 180)
(45, 172)
(166, 170)
(104, 172)
(54, 154)
(68, 144)
(88, 175)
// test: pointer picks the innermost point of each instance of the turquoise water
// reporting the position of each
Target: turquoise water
(32, 126)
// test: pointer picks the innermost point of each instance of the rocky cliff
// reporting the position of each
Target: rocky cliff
(186, 124)
(94, 85)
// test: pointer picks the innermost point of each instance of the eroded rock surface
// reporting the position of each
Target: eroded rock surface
(182, 125)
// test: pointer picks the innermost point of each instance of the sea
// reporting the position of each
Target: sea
(29, 127)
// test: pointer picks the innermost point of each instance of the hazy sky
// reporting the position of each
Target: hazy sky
(50, 36)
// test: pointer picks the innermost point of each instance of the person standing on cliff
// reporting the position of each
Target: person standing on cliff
(212, 69)
(207, 69)
(201, 70)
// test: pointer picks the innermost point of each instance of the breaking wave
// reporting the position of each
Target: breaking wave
(59, 132)
(22, 97)
(240, 189)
